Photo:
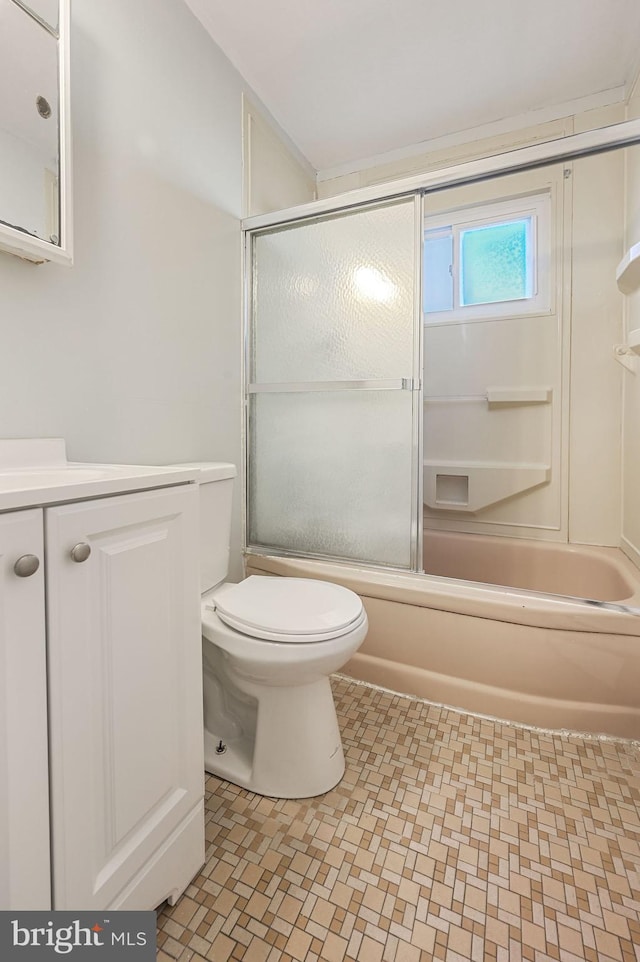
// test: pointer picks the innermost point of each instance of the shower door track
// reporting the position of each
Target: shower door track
(563, 149)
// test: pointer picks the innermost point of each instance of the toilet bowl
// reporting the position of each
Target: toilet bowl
(268, 648)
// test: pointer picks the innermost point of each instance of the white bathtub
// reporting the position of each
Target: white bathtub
(509, 652)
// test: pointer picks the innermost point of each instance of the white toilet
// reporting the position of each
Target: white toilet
(269, 646)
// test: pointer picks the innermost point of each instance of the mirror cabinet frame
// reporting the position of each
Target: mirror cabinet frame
(18, 242)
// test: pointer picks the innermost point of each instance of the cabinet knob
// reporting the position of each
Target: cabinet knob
(26, 565)
(80, 552)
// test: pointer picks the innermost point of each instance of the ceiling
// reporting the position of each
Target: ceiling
(351, 79)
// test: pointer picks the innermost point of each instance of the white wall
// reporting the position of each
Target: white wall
(133, 355)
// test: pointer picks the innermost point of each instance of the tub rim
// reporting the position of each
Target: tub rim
(513, 605)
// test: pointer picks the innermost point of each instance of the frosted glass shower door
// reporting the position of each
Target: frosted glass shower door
(334, 393)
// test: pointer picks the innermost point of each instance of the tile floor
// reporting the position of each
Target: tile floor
(450, 837)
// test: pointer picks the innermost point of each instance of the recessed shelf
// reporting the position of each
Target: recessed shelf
(628, 272)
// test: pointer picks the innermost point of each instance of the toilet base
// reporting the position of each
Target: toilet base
(295, 750)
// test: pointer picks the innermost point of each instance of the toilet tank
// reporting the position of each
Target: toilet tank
(215, 489)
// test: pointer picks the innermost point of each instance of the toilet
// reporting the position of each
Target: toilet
(269, 646)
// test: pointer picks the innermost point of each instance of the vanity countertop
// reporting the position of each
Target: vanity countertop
(35, 471)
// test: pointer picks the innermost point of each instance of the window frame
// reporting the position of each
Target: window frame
(537, 207)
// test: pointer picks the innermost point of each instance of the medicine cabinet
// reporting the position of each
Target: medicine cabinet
(35, 162)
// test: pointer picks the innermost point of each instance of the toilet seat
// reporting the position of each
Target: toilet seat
(290, 610)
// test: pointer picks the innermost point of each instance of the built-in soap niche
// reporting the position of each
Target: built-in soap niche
(473, 486)
(452, 490)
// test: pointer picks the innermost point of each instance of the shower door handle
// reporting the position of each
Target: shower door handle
(305, 387)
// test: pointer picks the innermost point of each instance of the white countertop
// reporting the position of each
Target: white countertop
(35, 472)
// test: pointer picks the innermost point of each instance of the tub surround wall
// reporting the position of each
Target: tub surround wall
(485, 141)
(545, 447)
(593, 196)
(631, 432)
(441, 154)
(495, 387)
(597, 309)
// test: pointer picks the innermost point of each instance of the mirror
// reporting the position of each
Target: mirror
(31, 138)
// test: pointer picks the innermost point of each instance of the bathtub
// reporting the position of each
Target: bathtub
(511, 652)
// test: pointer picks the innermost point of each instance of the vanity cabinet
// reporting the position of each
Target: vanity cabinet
(123, 663)
(24, 783)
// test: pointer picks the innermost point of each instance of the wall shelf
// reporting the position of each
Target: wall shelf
(627, 354)
(633, 341)
(628, 272)
(497, 396)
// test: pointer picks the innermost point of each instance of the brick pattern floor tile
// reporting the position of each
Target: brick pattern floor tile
(450, 837)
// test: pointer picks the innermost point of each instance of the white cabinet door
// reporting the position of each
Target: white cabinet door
(125, 690)
(24, 784)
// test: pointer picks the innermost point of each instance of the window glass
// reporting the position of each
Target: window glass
(488, 260)
(495, 263)
(438, 270)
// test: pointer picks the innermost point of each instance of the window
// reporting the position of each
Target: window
(490, 261)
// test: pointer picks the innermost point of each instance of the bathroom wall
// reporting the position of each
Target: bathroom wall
(133, 355)
(275, 173)
(631, 424)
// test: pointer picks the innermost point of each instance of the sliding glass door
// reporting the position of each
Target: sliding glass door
(334, 400)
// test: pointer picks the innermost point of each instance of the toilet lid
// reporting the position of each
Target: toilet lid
(288, 609)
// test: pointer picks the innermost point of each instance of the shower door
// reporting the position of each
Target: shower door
(334, 399)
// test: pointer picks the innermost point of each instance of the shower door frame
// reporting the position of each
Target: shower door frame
(564, 149)
(414, 385)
